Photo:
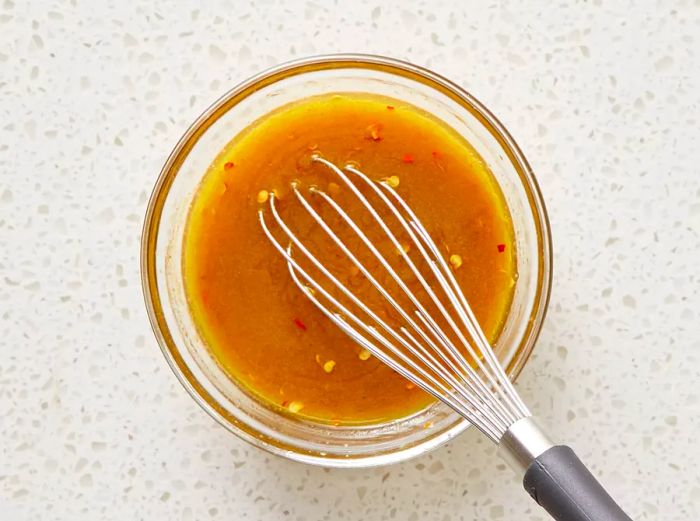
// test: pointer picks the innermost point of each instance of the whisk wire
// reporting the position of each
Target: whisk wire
(489, 402)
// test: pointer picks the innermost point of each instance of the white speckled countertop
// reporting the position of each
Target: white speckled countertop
(604, 100)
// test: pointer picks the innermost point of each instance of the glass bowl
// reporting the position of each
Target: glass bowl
(166, 216)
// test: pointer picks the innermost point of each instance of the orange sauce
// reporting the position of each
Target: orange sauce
(257, 324)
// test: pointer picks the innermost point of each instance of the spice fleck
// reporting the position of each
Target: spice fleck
(295, 406)
(393, 181)
(300, 324)
(263, 195)
(373, 132)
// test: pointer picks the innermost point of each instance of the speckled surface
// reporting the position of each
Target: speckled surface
(604, 101)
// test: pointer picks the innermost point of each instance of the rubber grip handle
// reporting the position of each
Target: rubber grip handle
(560, 483)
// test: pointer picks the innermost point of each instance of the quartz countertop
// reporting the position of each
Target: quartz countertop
(603, 97)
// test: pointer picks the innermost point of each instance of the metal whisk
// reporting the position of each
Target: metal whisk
(432, 337)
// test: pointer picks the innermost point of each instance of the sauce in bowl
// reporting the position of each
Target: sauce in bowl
(260, 328)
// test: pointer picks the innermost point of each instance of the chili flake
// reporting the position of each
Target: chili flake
(501, 248)
(389, 107)
(407, 158)
(300, 324)
(228, 166)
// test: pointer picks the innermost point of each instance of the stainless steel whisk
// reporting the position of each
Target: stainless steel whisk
(439, 344)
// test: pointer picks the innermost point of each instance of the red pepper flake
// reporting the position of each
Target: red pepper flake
(228, 166)
(436, 154)
(407, 158)
(285, 403)
(300, 324)
(389, 107)
(501, 248)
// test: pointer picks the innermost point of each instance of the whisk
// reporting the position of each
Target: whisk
(432, 337)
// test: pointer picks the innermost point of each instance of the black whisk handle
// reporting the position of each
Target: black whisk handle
(564, 487)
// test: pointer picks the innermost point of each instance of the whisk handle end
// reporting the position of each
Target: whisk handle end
(559, 482)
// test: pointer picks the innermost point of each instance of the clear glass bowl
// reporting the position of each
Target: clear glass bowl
(162, 240)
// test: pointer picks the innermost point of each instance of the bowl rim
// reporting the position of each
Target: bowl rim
(149, 239)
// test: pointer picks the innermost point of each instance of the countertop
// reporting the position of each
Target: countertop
(602, 96)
